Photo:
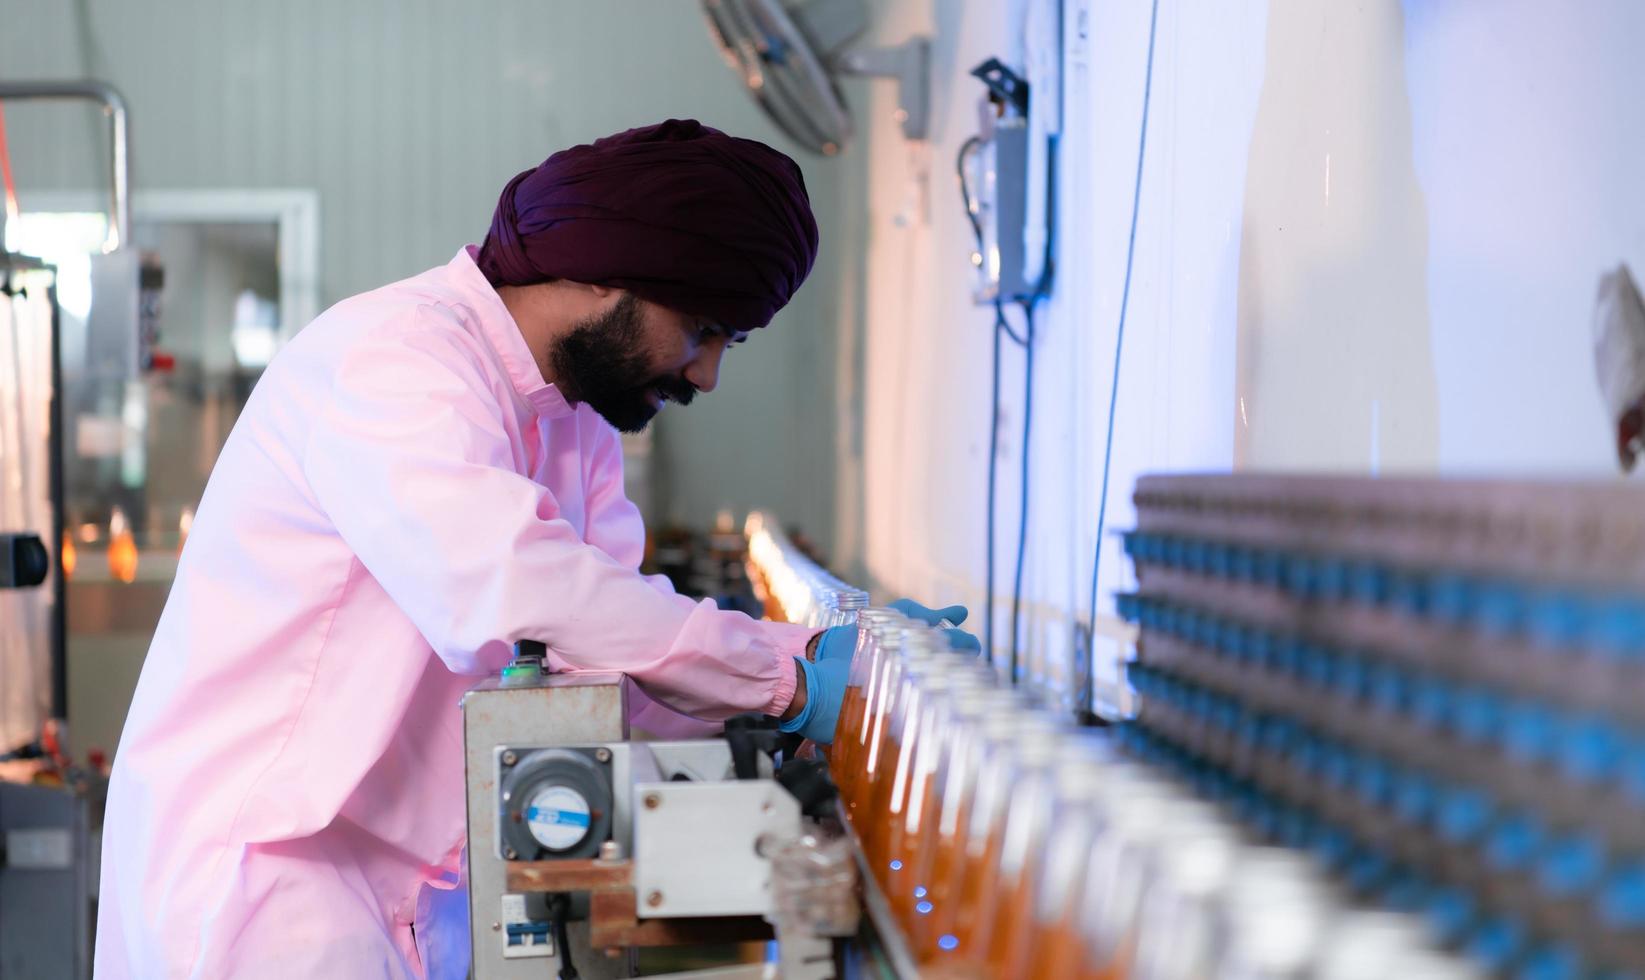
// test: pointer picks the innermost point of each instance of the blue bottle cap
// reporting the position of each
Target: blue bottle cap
(1433, 702)
(1619, 628)
(1450, 598)
(1279, 735)
(1265, 818)
(1500, 607)
(1449, 913)
(1218, 559)
(1270, 568)
(1495, 942)
(1128, 605)
(1513, 843)
(1529, 730)
(1368, 582)
(1193, 556)
(1333, 579)
(1225, 713)
(1132, 542)
(1372, 779)
(1242, 562)
(1205, 630)
(1294, 826)
(1288, 656)
(1414, 796)
(1263, 646)
(1351, 675)
(1331, 845)
(1551, 963)
(1201, 703)
(1479, 714)
(1366, 869)
(1406, 892)
(1622, 897)
(1463, 814)
(1591, 749)
(1336, 763)
(1408, 592)
(1571, 865)
(1318, 665)
(1390, 687)
(1633, 769)
(1557, 618)
(1301, 576)
(1306, 755)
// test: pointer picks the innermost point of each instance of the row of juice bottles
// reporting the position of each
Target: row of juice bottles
(1008, 843)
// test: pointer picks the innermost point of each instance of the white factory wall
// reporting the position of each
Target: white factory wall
(1369, 240)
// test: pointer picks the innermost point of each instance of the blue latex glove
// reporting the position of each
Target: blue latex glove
(824, 692)
(837, 643)
(960, 639)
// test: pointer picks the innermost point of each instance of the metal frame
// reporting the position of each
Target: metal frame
(115, 105)
(295, 211)
(54, 481)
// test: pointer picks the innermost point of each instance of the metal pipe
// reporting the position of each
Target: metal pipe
(114, 104)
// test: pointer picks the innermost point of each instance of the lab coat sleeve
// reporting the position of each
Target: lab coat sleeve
(411, 463)
(614, 522)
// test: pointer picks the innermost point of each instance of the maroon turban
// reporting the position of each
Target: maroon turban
(677, 213)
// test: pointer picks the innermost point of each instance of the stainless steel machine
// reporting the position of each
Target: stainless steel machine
(585, 845)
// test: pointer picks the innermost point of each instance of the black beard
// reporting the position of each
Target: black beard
(602, 362)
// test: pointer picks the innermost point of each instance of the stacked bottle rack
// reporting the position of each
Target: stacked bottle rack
(1436, 687)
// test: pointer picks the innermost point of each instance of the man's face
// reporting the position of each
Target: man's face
(629, 360)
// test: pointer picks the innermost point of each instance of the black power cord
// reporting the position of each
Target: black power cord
(559, 910)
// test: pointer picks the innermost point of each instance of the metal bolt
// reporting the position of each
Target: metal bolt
(602, 755)
(496, 927)
(653, 801)
(654, 899)
(611, 851)
(510, 853)
(509, 758)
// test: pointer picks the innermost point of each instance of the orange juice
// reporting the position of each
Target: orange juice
(1058, 950)
(1011, 943)
(978, 896)
(840, 759)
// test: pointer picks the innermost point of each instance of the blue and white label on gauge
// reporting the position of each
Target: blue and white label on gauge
(558, 817)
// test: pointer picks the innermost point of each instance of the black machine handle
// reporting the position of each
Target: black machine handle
(24, 561)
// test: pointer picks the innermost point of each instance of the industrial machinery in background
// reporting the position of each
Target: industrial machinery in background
(50, 807)
(1007, 171)
(790, 54)
(585, 846)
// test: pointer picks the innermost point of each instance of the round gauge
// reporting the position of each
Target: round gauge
(553, 804)
(558, 816)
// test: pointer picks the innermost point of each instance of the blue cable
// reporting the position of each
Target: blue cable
(1119, 338)
(1022, 508)
(993, 470)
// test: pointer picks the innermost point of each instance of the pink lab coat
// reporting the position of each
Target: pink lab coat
(402, 498)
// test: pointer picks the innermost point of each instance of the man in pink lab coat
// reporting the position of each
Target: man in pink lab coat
(427, 473)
